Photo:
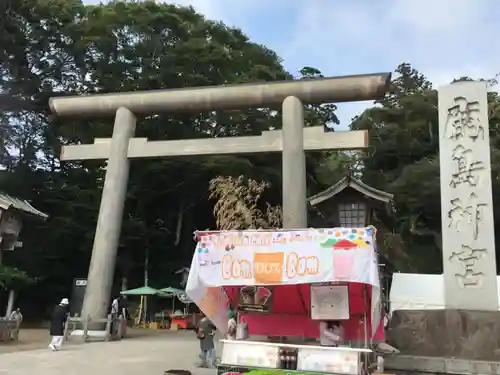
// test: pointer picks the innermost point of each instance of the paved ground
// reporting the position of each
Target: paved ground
(150, 354)
(30, 339)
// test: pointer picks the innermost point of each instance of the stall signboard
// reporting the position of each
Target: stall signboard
(255, 298)
(264, 258)
(286, 257)
(329, 302)
(77, 296)
(336, 362)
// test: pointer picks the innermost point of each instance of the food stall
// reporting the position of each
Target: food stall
(284, 283)
(145, 315)
(180, 319)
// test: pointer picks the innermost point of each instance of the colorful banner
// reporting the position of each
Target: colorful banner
(260, 259)
(287, 257)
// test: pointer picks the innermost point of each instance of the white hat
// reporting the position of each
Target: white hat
(64, 301)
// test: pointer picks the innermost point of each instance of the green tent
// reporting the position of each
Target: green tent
(179, 293)
(171, 291)
(144, 291)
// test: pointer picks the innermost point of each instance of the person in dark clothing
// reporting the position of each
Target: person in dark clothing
(205, 332)
(57, 321)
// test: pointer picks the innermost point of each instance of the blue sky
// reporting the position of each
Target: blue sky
(441, 38)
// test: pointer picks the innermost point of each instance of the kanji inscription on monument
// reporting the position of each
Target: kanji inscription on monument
(469, 262)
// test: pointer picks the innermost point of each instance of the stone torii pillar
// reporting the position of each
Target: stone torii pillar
(292, 140)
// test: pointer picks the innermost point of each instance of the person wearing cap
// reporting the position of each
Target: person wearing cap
(57, 321)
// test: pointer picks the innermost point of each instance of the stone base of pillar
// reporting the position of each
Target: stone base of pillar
(461, 334)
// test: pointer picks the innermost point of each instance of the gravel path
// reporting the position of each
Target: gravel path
(150, 354)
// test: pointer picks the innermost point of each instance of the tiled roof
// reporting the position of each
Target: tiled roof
(349, 181)
(8, 202)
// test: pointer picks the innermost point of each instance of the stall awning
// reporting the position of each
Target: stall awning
(179, 293)
(144, 291)
(171, 291)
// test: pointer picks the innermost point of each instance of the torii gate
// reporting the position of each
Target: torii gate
(293, 140)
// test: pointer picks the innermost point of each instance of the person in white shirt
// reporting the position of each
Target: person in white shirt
(331, 333)
(115, 306)
(17, 316)
(115, 313)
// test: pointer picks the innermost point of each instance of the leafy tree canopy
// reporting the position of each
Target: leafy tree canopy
(60, 47)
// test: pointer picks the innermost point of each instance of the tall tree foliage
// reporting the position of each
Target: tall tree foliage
(59, 47)
(403, 159)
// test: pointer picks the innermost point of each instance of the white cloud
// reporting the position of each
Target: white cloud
(209, 8)
(237, 13)
(401, 29)
(436, 36)
(437, 16)
(444, 39)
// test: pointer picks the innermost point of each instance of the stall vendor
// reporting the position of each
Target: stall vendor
(331, 333)
(231, 325)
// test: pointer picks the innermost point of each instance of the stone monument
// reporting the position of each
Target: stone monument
(292, 140)
(468, 231)
(464, 332)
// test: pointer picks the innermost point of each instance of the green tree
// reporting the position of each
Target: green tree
(59, 47)
(403, 159)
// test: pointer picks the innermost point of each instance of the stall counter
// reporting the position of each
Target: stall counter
(265, 358)
(227, 370)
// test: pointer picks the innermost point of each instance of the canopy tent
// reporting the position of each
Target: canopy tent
(143, 291)
(171, 291)
(179, 293)
(287, 263)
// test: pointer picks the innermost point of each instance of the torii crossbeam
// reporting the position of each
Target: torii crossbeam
(315, 138)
